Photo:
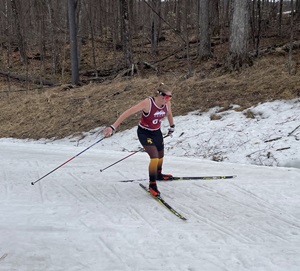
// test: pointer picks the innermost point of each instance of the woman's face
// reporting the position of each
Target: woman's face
(165, 96)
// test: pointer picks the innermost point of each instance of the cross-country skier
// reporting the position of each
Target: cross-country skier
(153, 109)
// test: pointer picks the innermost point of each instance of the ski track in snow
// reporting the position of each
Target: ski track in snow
(80, 219)
(268, 229)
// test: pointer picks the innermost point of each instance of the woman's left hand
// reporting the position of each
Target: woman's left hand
(171, 129)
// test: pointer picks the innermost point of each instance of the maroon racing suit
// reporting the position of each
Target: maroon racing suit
(150, 136)
(152, 120)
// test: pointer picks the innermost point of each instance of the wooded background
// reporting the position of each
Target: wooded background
(55, 41)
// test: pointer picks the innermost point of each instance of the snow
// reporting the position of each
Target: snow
(78, 218)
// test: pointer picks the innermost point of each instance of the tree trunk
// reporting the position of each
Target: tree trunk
(291, 64)
(204, 25)
(258, 26)
(239, 36)
(280, 16)
(178, 8)
(51, 34)
(89, 12)
(187, 44)
(253, 21)
(73, 41)
(214, 17)
(155, 25)
(298, 8)
(224, 19)
(127, 43)
(21, 42)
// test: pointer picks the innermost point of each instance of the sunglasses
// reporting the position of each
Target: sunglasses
(166, 96)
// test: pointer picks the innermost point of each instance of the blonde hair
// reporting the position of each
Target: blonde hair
(162, 88)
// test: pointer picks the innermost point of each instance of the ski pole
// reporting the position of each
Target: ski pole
(101, 170)
(67, 161)
(141, 149)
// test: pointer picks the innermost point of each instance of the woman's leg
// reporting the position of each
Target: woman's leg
(160, 162)
(153, 154)
(147, 139)
(159, 175)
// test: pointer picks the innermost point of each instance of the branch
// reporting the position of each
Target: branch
(293, 130)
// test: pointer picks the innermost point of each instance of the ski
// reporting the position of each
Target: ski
(175, 178)
(163, 202)
(207, 178)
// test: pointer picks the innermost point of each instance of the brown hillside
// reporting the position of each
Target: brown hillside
(30, 112)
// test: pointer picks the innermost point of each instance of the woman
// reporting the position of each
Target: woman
(154, 109)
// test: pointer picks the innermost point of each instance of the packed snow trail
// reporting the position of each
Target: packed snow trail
(80, 219)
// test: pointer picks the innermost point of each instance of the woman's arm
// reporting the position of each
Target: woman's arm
(141, 106)
(170, 114)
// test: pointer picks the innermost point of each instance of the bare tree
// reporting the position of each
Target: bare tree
(214, 17)
(297, 8)
(126, 37)
(187, 43)
(53, 39)
(73, 40)
(43, 26)
(239, 35)
(291, 64)
(259, 18)
(88, 9)
(224, 18)
(280, 16)
(21, 41)
(178, 8)
(155, 19)
(204, 26)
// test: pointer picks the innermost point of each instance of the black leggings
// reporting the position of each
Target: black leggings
(153, 143)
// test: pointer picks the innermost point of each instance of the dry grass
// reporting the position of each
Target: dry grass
(62, 111)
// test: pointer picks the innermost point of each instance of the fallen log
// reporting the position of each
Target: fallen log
(27, 79)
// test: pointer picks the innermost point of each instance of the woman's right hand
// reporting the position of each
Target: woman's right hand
(109, 131)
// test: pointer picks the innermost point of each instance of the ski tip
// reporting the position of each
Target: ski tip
(32, 183)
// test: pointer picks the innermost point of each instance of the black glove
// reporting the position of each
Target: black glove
(171, 129)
